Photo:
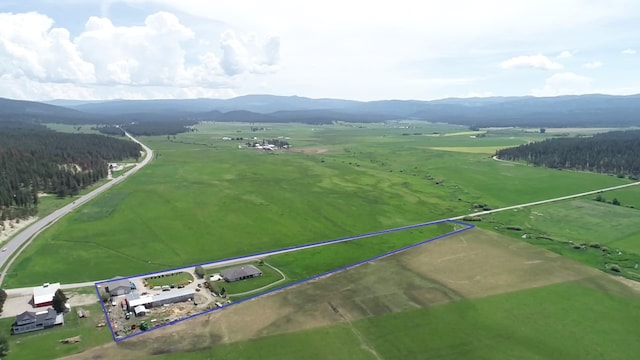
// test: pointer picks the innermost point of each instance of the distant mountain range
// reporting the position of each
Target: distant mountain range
(562, 111)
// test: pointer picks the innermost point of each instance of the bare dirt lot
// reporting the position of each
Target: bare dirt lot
(311, 150)
(472, 264)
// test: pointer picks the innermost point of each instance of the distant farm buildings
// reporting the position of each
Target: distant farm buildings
(43, 295)
(240, 273)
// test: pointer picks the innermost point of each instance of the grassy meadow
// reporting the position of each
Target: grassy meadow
(487, 328)
(596, 233)
(204, 198)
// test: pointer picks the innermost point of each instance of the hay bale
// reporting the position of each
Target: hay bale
(71, 340)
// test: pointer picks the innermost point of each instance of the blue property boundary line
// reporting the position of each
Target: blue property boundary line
(283, 287)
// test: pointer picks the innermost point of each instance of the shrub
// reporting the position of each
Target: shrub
(200, 271)
(3, 298)
(615, 268)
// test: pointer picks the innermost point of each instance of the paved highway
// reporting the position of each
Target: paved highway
(15, 244)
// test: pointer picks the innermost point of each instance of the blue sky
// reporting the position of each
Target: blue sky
(363, 50)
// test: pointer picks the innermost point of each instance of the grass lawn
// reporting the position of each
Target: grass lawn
(180, 278)
(563, 321)
(46, 344)
(204, 199)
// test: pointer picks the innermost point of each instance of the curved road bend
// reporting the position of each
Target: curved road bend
(15, 244)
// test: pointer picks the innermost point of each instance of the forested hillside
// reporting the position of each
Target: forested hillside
(613, 153)
(35, 159)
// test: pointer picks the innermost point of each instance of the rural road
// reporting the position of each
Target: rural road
(561, 198)
(549, 200)
(15, 245)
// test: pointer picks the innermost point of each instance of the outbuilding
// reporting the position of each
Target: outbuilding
(134, 300)
(240, 273)
(118, 286)
(140, 310)
(173, 296)
(43, 295)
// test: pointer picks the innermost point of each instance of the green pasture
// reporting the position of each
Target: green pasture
(45, 344)
(303, 264)
(595, 233)
(74, 129)
(579, 220)
(203, 198)
(179, 278)
(581, 320)
(628, 197)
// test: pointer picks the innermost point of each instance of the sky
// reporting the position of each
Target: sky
(360, 50)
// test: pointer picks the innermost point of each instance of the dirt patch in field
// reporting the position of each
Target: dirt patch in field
(479, 263)
(472, 264)
(311, 150)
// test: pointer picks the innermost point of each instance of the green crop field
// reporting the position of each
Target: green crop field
(551, 322)
(204, 199)
(310, 262)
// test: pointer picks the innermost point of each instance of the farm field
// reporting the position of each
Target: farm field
(204, 199)
(596, 233)
(464, 297)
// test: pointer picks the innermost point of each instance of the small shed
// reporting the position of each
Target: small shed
(140, 310)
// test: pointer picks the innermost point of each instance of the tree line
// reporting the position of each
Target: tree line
(148, 128)
(612, 153)
(36, 159)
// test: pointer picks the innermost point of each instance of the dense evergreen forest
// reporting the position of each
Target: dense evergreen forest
(36, 159)
(612, 153)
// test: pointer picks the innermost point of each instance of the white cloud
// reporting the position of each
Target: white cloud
(565, 83)
(592, 65)
(156, 53)
(247, 54)
(628, 52)
(31, 47)
(356, 49)
(538, 61)
(565, 54)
